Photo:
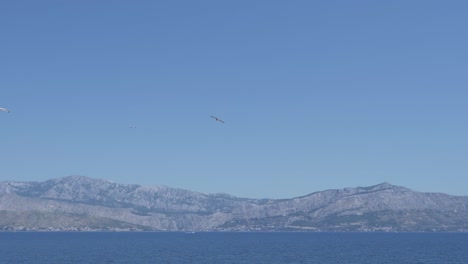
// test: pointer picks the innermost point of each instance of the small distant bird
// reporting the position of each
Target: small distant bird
(132, 127)
(4, 110)
(217, 119)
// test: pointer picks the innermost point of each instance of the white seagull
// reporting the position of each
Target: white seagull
(217, 119)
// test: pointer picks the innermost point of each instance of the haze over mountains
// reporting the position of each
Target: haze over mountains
(82, 203)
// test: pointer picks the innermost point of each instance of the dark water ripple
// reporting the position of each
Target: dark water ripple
(235, 248)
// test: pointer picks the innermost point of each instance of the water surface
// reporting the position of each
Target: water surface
(271, 248)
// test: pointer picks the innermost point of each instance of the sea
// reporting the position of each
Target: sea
(232, 247)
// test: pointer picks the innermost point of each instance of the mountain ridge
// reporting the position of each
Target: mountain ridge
(83, 203)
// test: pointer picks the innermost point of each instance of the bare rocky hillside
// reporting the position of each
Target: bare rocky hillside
(81, 203)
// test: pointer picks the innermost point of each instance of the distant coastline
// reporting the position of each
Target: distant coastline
(82, 204)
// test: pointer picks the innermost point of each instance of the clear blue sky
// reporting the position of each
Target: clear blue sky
(314, 94)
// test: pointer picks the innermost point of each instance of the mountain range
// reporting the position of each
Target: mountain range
(78, 203)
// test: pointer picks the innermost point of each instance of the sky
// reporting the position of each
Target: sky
(315, 95)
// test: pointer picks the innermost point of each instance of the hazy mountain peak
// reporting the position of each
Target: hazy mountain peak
(383, 186)
(80, 179)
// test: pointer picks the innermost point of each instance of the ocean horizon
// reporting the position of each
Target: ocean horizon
(233, 247)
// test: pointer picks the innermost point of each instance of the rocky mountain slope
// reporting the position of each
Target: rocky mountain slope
(81, 203)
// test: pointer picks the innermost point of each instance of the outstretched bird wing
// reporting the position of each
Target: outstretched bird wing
(217, 119)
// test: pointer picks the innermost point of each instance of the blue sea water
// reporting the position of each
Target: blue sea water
(271, 248)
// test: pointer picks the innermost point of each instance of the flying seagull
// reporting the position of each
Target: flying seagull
(217, 119)
(4, 110)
